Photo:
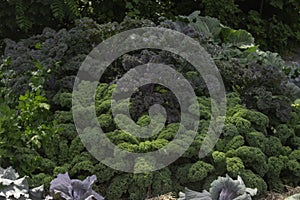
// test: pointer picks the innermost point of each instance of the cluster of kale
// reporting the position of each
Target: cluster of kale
(260, 139)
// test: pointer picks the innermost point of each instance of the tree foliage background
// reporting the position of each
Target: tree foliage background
(274, 23)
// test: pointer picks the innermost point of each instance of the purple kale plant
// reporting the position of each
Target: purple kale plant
(74, 189)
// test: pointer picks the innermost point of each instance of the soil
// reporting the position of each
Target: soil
(168, 196)
(281, 196)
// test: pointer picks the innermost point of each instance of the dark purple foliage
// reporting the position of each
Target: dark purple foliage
(227, 194)
(74, 189)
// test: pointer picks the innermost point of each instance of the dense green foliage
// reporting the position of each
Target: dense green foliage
(260, 140)
(274, 23)
(26, 124)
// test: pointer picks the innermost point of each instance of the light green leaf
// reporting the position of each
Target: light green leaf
(238, 38)
(209, 26)
(44, 105)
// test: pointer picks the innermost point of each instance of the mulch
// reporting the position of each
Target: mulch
(281, 196)
(168, 196)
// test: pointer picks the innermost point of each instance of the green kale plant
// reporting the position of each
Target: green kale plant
(259, 142)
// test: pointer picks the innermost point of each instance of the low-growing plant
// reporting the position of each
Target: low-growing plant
(70, 189)
(14, 187)
(25, 124)
(224, 188)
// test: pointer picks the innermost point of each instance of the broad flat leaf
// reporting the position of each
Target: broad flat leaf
(74, 189)
(230, 189)
(11, 187)
(237, 37)
(62, 185)
(209, 26)
(249, 48)
(15, 192)
(8, 173)
(37, 193)
(193, 195)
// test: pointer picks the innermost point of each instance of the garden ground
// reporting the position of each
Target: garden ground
(270, 195)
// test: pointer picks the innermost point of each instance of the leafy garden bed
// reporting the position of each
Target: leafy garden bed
(260, 141)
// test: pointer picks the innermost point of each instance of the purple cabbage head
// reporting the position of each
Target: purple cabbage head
(74, 189)
(224, 188)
